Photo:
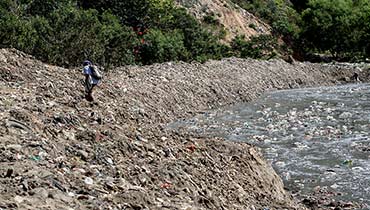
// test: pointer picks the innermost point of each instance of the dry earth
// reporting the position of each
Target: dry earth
(235, 19)
(58, 151)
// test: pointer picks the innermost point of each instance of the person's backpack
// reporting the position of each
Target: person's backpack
(95, 72)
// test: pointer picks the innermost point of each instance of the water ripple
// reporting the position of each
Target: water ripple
(313, 137)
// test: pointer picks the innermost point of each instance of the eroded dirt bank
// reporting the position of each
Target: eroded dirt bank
(58, 151)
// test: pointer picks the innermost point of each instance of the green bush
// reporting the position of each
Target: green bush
(67, 35)
(330, 26)
(108, 32)
(211, 19)
(18, 33)
(160, 47)
(259, 47)
(114, 32)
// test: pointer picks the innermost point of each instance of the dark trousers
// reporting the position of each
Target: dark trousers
(89, 90)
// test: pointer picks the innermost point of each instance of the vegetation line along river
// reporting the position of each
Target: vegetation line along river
(317, 139)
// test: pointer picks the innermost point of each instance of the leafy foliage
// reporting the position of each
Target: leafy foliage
(258, 47)
(321, 19)
(336, 27)
(160, 47)
(114, 32)
(108, 32)
(339, 27)
(67, 35)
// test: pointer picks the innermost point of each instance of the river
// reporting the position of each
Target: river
(317, 139)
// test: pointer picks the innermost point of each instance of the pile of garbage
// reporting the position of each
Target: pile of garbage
(59, 151)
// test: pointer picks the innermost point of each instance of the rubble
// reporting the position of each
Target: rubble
(59, 151)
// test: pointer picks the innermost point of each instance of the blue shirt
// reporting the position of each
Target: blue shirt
(87, 70)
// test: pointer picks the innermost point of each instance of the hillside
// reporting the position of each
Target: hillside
(58, 151)
(233, 18)
(116, 33)
(142, 32)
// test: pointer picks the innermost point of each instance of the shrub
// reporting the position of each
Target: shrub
(259, 47)
(160, 47)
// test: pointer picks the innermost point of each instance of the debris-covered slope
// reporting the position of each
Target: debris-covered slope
(58, 151)
(233, 18)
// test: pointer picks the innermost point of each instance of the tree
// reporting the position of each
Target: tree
(258, 47)
(44, 7)
(131, 13)
(327, 25)
(160, 47)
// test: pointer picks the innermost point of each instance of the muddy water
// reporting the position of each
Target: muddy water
(315, 138)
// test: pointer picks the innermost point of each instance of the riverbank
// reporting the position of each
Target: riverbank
(315, 138)
(60, 152)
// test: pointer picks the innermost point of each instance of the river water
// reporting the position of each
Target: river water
(316, 138)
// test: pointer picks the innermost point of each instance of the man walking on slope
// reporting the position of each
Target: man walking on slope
(92, 78)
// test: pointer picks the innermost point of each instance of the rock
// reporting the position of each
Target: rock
(110, 185)
(58, 185)
(280, 164)
(69, 135)
(160, 200)
(345, 115)
(89, 181)
(346, 79)
(168, 152)
(19, 199)
(9, 173)
(109, 161)
(43, 155)
(71, 194)
(40, 193)
(140, 138)
(2, 58)
(83, 154)
(15, 147)
(289, 59)
(62, 197)
(43, 173)
(80, 170)
(18, 124)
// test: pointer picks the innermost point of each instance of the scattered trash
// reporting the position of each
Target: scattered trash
(55, 151)
(347, 162)
(166, 185)
(191, 147)
(110, 161)
(35, 158)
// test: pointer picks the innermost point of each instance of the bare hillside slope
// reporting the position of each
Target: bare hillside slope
(235, 19)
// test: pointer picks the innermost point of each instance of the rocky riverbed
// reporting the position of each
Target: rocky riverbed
(58, 151)
(316, 138)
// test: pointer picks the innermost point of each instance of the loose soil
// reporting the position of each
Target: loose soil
(231, 17)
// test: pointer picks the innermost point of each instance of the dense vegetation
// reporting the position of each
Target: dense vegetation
(336, 28)
(114, 32)
(109, 32)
